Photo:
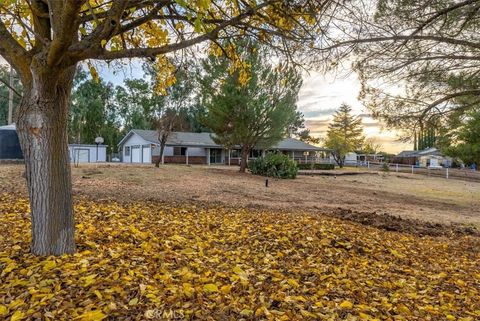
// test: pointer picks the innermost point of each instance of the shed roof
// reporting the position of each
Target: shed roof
(189, 139)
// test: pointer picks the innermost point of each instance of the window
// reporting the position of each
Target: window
(127, 150)
(254, 153)
(235, 153)
(179, 151)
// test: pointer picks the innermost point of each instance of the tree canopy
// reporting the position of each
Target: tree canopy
(345, 134)
(417, 59)
(254, 112)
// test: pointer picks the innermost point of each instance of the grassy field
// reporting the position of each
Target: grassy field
(412, 196)
(208, 243)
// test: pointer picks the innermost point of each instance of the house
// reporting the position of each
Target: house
(143, 146)
(429, 157)
(79, 153)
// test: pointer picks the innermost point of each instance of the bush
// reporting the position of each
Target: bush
(316, 166)
(386, 167)
(274, 165)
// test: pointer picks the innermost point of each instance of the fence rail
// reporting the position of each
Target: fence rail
(465, 174)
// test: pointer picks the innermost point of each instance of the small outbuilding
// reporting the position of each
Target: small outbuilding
(9, 144)
(84, 153)
(430, 157)
(79, 153)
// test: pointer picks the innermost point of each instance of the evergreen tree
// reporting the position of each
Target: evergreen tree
(345, 134)
(249, 110)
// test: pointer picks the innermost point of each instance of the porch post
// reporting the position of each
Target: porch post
(186, 155)
(229, 156)
(208, 156)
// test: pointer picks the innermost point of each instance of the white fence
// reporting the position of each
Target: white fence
(465, 174)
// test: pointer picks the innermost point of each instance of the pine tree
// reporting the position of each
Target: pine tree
(345, 134)
(256, 111)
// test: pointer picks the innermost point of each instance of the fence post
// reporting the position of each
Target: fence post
(447, 172)
(412, 169)
(396, 168)
(368, 164)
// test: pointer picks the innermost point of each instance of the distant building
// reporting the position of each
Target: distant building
(79, 153)
(9, 144)
(430, 157)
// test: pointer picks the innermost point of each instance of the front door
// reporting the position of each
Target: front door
(215, 156)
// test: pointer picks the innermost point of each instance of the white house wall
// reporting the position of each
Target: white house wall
(133, 141)
(87, 153)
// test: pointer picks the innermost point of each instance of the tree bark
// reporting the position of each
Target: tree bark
(42, 128)
(244, 159)
(163, 142)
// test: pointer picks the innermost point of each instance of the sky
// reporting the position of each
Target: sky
(322, 94)
(319, 97)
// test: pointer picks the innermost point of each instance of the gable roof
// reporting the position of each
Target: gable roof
(189, 139)
(295, 144)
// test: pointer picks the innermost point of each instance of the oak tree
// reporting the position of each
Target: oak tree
(45, 40)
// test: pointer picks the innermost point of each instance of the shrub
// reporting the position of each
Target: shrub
(386, 167)
(316, 166)
(274, 165)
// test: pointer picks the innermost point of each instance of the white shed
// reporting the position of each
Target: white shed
(83, 153)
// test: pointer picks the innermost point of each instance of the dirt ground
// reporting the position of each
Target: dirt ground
(355, 197)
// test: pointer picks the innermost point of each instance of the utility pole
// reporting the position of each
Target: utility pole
(10, 98)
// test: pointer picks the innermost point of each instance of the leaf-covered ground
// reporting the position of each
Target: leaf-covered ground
(154, 261)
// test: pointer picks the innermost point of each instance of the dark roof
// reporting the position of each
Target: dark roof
(205, 140)
(295, 144)
(407, 153)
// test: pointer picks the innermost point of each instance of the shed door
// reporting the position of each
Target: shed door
(136, 154)
(81, 155)
(146, 154)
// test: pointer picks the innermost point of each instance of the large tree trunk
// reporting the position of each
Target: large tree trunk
(244, 159)
(42, 127)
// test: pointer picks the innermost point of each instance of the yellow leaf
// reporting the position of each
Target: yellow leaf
(98, 294)
(18, 315)
(346, 304)
(208, 288)
(89, 280)
(450, 317)
(293, 283)
(95, 315)
(226, 289)
(133, 301)
(403, 309)
(49, 265)
(188, 290)
(103, 43)
(246, 312)
(3, 310)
